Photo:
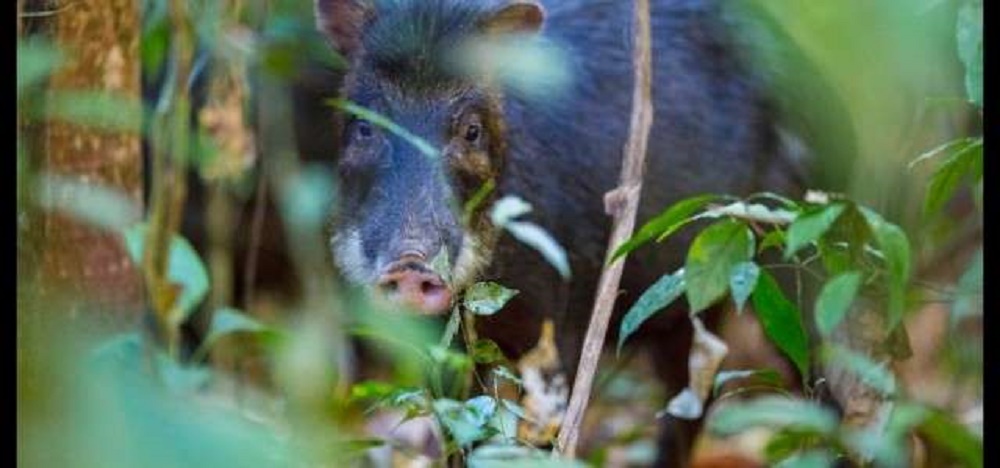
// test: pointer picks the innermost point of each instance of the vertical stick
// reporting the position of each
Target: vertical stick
(622, 203)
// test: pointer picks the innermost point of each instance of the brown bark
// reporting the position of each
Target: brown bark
(68, 258)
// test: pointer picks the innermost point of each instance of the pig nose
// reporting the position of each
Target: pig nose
(415, 285)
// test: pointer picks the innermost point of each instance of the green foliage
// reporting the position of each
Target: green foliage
(969, 293)
(487, 298)
(969, 36)
(486, 352)
(895, 250)
(742, 282)
(782, 322)
(810, 226)
(768, 377)
(666, 223)
(663, 292)
(228, 322)
(877, 376)
(964, 159)
(835, 300)
(711, 260)
(503, 213)
(184, 268)
(773, 412)
(468, 421)
(36, 59)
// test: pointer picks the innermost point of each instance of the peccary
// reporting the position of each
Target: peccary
(715, 130)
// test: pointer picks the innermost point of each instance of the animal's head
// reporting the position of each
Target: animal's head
(415, 175)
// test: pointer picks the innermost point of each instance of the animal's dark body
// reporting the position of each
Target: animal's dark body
(715, 130)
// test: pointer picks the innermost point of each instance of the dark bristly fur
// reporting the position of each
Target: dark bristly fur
(714, 131)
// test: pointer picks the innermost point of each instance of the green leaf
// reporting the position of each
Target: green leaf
(505, 373)
(180, 378)
(711, 259)
(487, 298)
(775, 238)
(502, 215)
(665, 223)
(810, 226)
(742, 281)
(808, 459)
(96, 109)
(467, 422)
(184, 268)
(835, 300)
(36, 59)
(487, 352)
(228, 321)
(514, 456)
(895, 248)
(969, 37)
(772, 412)
(782, 321)
(92, 203)
(537, 238)
(947, 177)
(765, 376)
(419, 143)
(943, 431)
(877, 376)
(664, 291)
(969, 293)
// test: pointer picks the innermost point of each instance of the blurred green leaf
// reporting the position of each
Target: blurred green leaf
(895, 247)
(184, 268)
(664, 224)
(969, 36)
(772, 412)
(835, 300)
(512, 456)
(775, 239)
(664, 291)
(487, 352)
(505, 373)
(711, 259)
(766, 376)
(306, 199)
(487, 298)
(466, 422)
(36, 59)
(809, 459)
(375, 118)
(941, 430)
(228, 321)
(95, 109)
(810, 226)
(742, 281)
(877, 376)
(180, 378)
(685, 405)
(502, 215)
(969, 293)
(539, 239)
(966, 160)
(782, 321)
(91, 202)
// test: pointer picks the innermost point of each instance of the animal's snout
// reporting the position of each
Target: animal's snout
(409, 281)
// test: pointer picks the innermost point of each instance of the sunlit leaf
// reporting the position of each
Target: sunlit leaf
(378, 119)
(539, 239)
(947, 177)
(184, 268)
(664, 291)
(895, 247)
(782, 321)
(877, 376)
(711, 259)
(95, 109)
(36, 59)
(508, 208)
(486, 352)
(487, 298)
(772, 412)
(466, 422)
(969, 293)
(835, 300)
(91, 202)
(742, 281)
(665, 223)
(766, 376)
(810, 226)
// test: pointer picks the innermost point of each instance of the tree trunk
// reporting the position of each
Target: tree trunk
(64, 258)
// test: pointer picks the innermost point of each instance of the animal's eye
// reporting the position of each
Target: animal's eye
(473, 132)
(363, 128)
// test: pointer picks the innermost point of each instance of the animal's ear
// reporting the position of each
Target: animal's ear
(514, 17)
(343, 22)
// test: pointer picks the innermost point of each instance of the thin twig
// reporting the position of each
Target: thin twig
(622, 203)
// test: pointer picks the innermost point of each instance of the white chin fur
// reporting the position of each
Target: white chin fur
(350, 258)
